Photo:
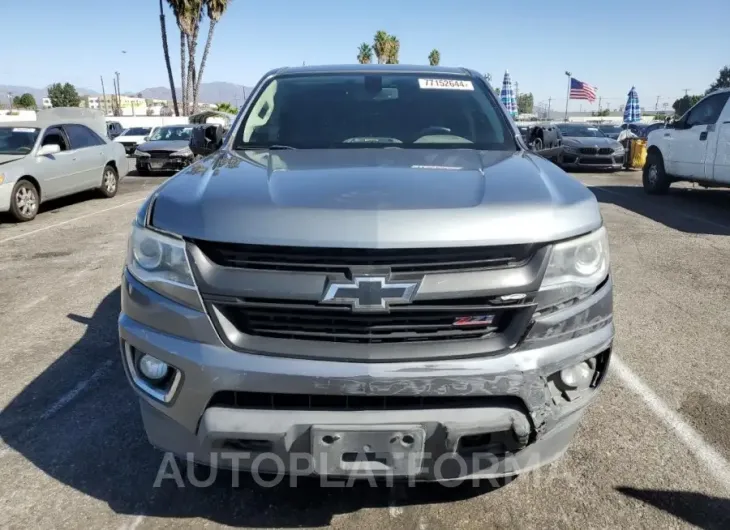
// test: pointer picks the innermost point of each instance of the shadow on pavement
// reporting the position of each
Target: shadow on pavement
(79, 422)
(696, 211)
(696, 509)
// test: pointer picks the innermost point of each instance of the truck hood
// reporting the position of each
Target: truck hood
(164, 145)
(375, 198)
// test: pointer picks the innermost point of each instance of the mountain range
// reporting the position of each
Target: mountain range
(215, 92)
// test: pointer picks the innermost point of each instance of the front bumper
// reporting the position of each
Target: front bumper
(511, 400)
(581, 161)
(162, 164)
(6, 192)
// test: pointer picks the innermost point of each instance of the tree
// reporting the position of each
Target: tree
(393, 49)
(26, 101)
(722, 81)
(150, 111)
(434, 58)
(381, 43)
(215, 10)
(63, 95)
(226, 107)
(497, 90)
(601, 113)
(166, 52)
(165, 111)
(365, 54)
(525, 103)
(684, 103)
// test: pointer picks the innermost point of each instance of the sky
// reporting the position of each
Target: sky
(661, 47)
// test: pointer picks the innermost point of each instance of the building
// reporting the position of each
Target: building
(89, 102)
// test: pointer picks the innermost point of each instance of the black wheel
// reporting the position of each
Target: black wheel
(109, 182)
(24, 201)
(655, 179)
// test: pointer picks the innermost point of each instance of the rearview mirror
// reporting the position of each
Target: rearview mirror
(206, 140)
(49, 149)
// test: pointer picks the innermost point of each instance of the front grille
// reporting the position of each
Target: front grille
(159, 154)
(588, 151)
(605, 151)
(341, 260)
(277, 401)
(418, 322)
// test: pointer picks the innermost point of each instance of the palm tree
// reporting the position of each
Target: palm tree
(216, 8)
(393, 49)
(381, 44)
(179, 8)
(195, 15)
(166, 51)
(434, 58)
(365, 54)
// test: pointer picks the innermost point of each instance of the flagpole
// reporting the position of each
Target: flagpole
(567, 96)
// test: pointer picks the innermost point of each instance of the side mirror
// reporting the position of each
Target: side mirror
(206, 140)
(49, 149)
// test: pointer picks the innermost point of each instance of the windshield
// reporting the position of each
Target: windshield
(322, 111)
(610, 129)
(17, 140)
(137, 131)
(580, 131)
(171, 133)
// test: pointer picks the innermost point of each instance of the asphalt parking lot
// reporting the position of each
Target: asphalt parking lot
(653, 452)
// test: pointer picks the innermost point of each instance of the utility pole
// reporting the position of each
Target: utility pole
(567, 96)
(599, 103)
(685, 91)
(103, 95)
(550, 99)
(656, 106)
(10, 101)
(119, 94)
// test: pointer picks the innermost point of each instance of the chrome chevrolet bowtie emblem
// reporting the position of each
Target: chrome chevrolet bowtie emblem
(370, 293)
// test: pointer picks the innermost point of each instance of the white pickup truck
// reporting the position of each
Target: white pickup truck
(696, 148)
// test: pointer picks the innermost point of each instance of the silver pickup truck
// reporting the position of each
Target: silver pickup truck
(368, 275)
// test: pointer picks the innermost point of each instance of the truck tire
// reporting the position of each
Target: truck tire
(655, 179)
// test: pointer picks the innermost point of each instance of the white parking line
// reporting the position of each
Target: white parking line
(43, 229)
(674, 211)
(75, 391)
(715, 463)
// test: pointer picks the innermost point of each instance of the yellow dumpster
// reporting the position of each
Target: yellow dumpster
(637, 154)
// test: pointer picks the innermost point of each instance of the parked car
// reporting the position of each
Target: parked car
(59, 154)
(610, 130)
(167, 149)
(695, 148)
(131, 138)
(642, 130)
(114, 129)
(586, 146)
(307, 289)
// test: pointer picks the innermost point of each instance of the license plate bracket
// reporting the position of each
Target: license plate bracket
(378, 450)
(158, 164)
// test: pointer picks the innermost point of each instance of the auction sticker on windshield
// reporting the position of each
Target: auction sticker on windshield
(446, 84)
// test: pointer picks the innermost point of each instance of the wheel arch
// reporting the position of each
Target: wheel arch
(34, 181)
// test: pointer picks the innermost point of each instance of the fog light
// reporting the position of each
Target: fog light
(578, 376)
(153, 368)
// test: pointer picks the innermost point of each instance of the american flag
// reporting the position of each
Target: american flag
(581, 90)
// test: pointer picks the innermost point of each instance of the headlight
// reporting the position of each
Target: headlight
(575, 269)
(619, 149)
(570, 149)
(160, 262)
(139, 153)
(184, 152)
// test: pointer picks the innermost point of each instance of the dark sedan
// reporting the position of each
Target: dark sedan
(167, 150)
(585, 146)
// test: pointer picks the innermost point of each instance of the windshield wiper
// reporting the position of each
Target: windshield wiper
(271, 147)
